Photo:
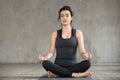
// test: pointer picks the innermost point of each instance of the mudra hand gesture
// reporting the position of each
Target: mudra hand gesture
(41, 58)
(89, 58)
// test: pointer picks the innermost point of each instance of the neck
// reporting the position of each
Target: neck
(64, 27)
(66, 31)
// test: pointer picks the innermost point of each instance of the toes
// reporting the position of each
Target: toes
(89, 74)
(49, 75)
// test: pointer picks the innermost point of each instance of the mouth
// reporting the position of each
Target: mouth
(64, 21)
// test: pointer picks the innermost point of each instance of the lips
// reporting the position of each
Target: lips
(64, 20)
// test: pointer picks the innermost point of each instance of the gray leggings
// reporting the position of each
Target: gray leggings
(66, 71)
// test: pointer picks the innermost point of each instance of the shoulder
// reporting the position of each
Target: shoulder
(77, 30)
(78, 33)
(54, 33)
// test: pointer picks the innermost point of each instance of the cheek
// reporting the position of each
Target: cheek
(70, 19)
(61, 18)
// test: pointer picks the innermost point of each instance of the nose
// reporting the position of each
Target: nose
(64, 17)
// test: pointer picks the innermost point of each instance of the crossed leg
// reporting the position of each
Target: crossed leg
(77, 70)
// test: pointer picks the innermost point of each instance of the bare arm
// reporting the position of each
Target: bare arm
(51, 51)
(83, 52)
(52, 45)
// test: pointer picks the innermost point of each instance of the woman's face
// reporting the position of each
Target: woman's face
(65, 17)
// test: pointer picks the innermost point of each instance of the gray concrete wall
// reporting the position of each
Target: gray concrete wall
(25, 27)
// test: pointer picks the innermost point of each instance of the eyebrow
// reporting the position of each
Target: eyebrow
(64, 14)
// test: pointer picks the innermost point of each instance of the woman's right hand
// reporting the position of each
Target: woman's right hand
(41, 58)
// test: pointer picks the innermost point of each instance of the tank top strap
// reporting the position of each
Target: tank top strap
(59, 32)
(73, 32)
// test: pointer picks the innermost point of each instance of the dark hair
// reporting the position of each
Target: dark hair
(65, 8)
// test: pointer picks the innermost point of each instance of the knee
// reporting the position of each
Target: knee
(87, 63)
(44, 63)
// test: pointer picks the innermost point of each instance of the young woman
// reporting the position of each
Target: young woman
(65, 42)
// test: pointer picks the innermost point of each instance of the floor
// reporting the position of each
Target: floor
(35, 71)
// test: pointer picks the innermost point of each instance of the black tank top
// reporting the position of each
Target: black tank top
(66, 49)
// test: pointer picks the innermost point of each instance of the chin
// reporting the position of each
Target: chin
(64, 24)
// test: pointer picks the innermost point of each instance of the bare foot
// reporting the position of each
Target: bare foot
(80, 75)
(50, 74)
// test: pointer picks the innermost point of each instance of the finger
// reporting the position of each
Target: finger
(40, 57)
(90, 56)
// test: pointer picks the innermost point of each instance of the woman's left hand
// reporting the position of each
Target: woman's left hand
(89, 58)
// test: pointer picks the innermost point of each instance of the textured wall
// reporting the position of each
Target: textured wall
(25, 27)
